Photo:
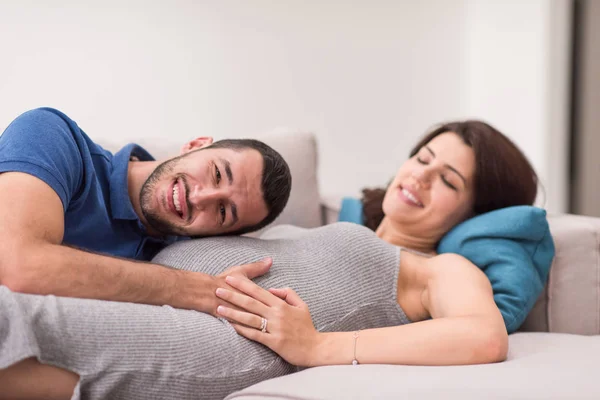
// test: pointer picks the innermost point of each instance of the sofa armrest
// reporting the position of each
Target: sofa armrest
(571, 301)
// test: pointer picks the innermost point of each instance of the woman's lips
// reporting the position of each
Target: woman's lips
(409, 197)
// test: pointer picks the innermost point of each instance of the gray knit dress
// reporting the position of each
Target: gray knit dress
(346, 275)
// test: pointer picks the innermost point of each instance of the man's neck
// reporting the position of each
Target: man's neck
(393, 234)
(137, 174)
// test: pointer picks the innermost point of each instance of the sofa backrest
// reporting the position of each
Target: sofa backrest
(570, 302)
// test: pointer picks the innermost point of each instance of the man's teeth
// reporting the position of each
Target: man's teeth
(176, 198)
(411, 197)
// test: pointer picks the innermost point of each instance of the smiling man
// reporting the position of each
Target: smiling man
(78, 221)
(208, 192)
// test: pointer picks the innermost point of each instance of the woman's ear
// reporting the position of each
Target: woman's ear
(196, 144)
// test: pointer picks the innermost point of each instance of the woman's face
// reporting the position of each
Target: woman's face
(433, 191)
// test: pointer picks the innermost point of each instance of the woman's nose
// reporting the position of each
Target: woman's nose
(422, 175)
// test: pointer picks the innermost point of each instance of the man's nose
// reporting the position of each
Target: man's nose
(202, 198)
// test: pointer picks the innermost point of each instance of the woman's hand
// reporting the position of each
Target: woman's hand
(289, 329)
(250, 271)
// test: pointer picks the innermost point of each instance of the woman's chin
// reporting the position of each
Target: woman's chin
(403, 210)
(404, 216)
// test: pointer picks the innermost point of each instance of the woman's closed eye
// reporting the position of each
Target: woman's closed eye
(447, 183)
(424, 161)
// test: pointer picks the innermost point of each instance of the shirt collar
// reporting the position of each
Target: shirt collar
(119, 186)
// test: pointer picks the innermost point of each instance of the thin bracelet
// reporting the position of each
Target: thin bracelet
(354, 360)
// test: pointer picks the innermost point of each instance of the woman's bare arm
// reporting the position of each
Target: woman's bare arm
(467, 327)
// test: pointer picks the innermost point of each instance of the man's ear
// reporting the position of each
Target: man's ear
(196, 144)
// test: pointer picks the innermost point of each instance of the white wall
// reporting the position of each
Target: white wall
(518, 67)
(369, 77)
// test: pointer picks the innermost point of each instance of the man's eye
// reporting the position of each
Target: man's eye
(218, 174)
(223, 213)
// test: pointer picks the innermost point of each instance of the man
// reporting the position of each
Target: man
(77, 221)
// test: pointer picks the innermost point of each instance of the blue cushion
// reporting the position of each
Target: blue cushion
(351, 210)
(513, 246)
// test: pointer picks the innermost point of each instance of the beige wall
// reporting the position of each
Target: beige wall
(369, 77)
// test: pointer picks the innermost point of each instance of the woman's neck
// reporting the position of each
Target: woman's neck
(392, 233)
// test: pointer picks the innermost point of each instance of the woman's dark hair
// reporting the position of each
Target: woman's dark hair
(503, 175)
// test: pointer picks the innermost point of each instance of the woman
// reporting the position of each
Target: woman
(457, 171)
(373, 298)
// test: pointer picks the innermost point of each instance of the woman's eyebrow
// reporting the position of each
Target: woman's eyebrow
(449, 166)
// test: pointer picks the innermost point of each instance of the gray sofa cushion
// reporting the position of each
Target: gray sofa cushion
(540, 366)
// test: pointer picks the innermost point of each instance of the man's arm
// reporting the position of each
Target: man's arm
(33, 259)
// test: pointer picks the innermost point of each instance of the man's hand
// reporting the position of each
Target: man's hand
(200, 294)
(249, 271)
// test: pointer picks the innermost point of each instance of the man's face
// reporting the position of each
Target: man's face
(205, 192)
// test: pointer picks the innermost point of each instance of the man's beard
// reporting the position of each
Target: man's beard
(153, 218)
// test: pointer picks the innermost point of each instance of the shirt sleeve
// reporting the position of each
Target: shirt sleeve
(48, 145)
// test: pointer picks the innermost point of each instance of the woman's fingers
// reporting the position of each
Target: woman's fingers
(252, 290)
(243, 301)
(248, 319)
(289, 296)
(252, 334)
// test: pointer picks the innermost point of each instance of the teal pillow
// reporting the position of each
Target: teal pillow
(512, 246)
(351, 211)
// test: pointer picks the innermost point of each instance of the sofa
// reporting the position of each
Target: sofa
(554, 355)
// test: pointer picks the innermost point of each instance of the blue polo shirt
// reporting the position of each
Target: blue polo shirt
(90, 181)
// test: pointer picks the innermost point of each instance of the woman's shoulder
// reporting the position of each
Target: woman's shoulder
(447, 265)
(424, 267)
(449, 259)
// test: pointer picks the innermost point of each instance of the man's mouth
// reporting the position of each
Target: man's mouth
(178, 198)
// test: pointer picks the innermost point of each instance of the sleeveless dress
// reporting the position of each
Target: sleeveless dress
(346, 275)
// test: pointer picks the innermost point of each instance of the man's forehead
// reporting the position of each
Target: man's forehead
(255, 208)
(243, 161)
(246, 167)
(238, 152)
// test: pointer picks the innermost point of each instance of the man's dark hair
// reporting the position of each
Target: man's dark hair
(276, 182)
